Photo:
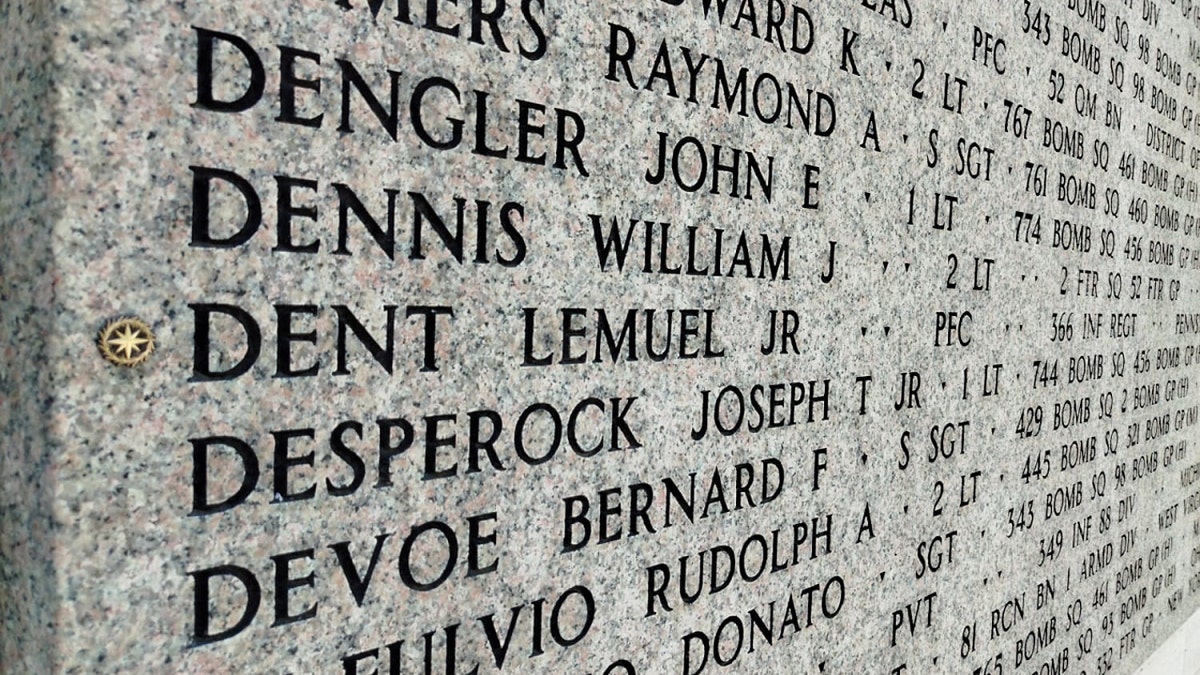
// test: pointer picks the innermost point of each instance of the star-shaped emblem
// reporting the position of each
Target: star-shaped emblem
(126, 342)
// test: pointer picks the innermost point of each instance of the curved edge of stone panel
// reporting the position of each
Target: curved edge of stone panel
(28, 590)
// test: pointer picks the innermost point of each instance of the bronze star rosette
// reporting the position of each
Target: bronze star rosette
(127, 341)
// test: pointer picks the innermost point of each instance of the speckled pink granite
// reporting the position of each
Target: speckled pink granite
(99, 545)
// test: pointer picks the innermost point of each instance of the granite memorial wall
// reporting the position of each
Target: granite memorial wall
(657, 336)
